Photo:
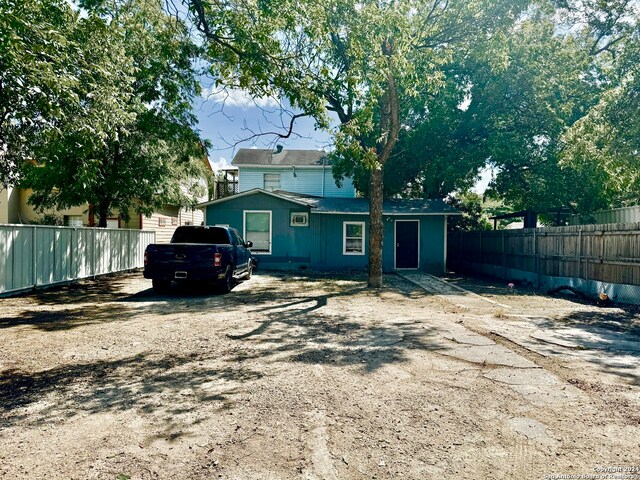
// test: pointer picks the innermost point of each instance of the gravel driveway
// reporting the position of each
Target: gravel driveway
(310, 376)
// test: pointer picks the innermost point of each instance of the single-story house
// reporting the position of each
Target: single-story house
(290, 230)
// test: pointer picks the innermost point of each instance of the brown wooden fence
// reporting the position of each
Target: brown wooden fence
(602, 253)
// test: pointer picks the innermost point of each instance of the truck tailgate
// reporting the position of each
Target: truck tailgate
(183, 261)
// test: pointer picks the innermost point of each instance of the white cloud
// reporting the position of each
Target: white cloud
(221, 164)
(238, 98)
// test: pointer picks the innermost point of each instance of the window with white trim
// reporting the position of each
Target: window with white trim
(353, 238)
(257, 229)
(271, 181)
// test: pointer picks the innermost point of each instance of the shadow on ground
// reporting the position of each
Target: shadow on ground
(272, 321)
(168, 384)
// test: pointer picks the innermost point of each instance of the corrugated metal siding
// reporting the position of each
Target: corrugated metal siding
(306, 181)
(290, 245)
(40, 255)
(327, 243)
(617, 215)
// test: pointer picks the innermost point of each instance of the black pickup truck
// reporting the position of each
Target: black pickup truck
(199, 254)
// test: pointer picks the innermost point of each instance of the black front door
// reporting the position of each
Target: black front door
(407, 243)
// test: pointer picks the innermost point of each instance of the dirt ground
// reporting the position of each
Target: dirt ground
(316, 377)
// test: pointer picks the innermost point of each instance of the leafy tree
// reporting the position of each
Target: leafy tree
(37, 74)
(130, 138)
(361, 61)
(473, 217)
(567, 136)
(603, 147)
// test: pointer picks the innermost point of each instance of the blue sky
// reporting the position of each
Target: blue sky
(229, 120)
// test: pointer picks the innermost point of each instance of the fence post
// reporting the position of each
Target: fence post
(34, 253)
(536, 256)
(504, 257)
(586, 262)
(580, 253)
(93, 253)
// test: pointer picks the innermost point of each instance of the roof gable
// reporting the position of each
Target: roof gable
(253, 192)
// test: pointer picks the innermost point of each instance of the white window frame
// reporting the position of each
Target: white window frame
(295, 214)
(344, 238)
(244, 229)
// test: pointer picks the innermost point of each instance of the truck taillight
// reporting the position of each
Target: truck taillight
(146, 259)
(217, 260)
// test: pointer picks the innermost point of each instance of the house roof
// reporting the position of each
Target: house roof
(268, 157)
(361, 205)
(352, 206)
(251, 192)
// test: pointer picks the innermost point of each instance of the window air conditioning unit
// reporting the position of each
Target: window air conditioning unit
(299, 219)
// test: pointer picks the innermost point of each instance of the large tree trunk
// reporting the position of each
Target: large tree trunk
(376, 228)
(390, 122)
(103, 213)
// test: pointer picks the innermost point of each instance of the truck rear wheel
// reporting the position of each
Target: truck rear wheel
(161, 286)
(227, 283)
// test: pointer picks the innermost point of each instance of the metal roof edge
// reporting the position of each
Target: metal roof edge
(251, 192)
(431, 214)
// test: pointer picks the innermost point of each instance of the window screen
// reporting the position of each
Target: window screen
(353, 238)
(257, 229)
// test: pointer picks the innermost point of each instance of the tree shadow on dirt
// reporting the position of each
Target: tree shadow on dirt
(296, 330)
(169, 386)
(610, 340)
(275, 323)
(102, 288)
(67, 318)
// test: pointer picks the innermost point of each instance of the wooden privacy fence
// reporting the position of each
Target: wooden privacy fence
(592, 256)
(34, 255)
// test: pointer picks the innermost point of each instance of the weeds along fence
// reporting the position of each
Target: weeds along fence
(34, 255)
(590, 258)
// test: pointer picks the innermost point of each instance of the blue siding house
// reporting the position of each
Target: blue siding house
(301, 171)
(290, 207)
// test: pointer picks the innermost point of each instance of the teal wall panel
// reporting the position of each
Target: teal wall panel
(327, 243)
(320, 245)
(290, 245)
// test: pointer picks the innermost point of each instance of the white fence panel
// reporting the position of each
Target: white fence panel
(34, 255)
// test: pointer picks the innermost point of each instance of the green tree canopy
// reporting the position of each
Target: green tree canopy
(130, 138)
(360, 61)
(37, 74)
